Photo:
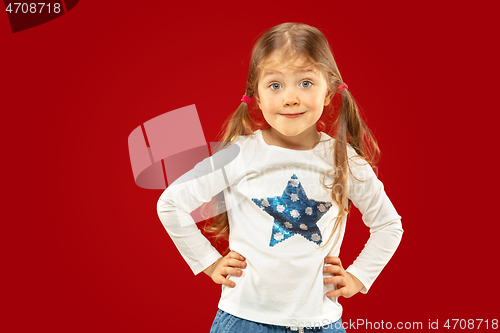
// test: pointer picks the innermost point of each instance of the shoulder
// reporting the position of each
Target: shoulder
(327, 142)
(247, 144)
(232, 156)
(245, 139)
(327, 150)
(359, 167)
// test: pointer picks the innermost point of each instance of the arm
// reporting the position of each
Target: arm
(368, 195)
(207, 179)
(174, 208)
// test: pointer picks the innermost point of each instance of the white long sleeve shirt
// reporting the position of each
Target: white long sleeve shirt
(279, 214)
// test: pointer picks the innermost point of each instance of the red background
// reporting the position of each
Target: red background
(83, 247)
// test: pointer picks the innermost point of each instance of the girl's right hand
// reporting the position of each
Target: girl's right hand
(225, 266)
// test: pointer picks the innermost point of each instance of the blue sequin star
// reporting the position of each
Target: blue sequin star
(294, 213)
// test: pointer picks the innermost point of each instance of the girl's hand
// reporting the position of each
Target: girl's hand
(225, 266)
(347, 284)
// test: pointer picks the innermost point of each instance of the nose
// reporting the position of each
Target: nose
(290, 98)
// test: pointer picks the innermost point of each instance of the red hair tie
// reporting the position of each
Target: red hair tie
(342, 87)
(246, 99)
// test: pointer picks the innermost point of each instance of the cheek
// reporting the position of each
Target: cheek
(267, 101)
(319, 100)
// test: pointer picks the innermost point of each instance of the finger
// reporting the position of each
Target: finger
(339, 280)
(236, 263)
(336, 293)
(232, 271)
(235, 255)
(336, 270)
(333, 269)
(222, 280)
(228, 283)
(333, 260)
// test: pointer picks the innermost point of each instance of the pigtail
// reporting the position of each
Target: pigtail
(360, 136)
(353, 131)
(238, 123)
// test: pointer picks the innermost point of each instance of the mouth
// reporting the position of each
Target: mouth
(292, 115)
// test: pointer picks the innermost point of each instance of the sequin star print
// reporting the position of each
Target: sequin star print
(294, 213)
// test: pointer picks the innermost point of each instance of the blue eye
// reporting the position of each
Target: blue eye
(308, 84)
(275, 86)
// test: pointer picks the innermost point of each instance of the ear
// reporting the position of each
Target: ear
(328, 98)
(258, 101)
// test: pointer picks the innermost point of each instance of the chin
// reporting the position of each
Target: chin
(289, 132)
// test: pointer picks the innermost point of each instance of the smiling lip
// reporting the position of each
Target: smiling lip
(292, 115)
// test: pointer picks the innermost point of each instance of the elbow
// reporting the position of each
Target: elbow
(393, 228)
(391, 225)
(398, 229)
(164, 203)
(397, 226)
(159, 206)
(166, 213)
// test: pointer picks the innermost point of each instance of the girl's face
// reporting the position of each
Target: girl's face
(292, 89)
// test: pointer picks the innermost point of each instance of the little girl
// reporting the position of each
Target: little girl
(287, 190)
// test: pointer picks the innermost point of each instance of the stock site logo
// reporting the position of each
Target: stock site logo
(26, 15)
(166, 146)
(171, 149)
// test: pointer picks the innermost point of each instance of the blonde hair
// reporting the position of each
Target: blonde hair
(286, 41)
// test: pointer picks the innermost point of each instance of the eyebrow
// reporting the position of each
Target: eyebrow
(302, 71)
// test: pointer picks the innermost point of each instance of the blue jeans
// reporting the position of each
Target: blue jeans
(227, 323)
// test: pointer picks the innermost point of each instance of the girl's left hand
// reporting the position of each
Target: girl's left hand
(347, 284)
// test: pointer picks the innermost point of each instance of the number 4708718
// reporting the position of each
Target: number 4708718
(25, 8)
(471, 324)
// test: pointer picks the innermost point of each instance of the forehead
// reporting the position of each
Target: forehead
(275, 63)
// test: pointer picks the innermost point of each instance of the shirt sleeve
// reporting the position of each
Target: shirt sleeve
(206, 180)
(368, 195)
